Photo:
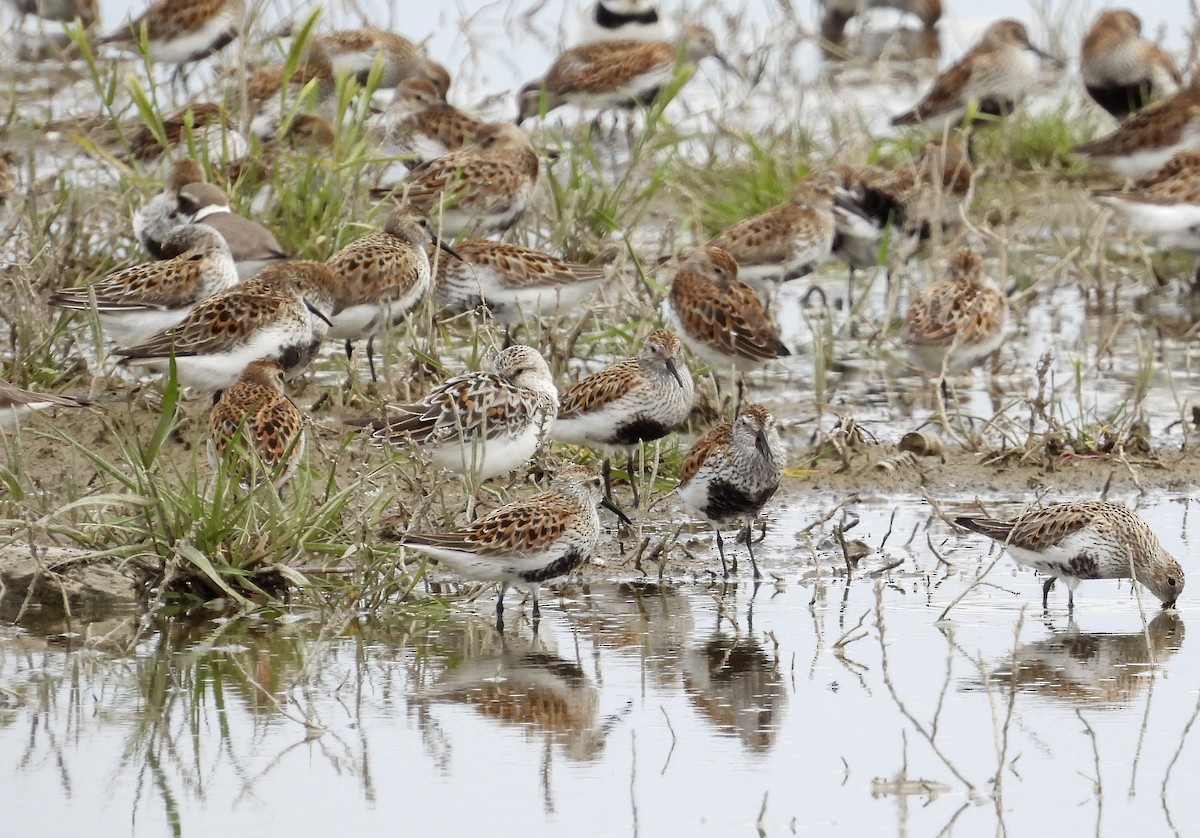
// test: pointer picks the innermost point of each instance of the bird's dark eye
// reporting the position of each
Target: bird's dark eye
(1171, 581)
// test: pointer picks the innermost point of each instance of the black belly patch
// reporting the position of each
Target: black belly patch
(1084, 566)
(1121, 100)
(606, 18)
(225, 39)
(727, 501)
(639, 430)
(996, 106)
(556, 568)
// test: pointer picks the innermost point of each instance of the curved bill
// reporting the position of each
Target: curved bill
(616, 510)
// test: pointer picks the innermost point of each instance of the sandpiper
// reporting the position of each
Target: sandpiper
(957, 322)
(1123, 71)
(622, 20)
(515, 284)
(17, 403)
(272, 100)
(633, 401)
(135, 303)
(991, 79)
(1149, 138)
(484, 186)
(282, 313)
(419, 125)
(182, 31)
(481, 424)
(731, 472)
(205, 126)
(904, 205)
(790, 240)
(533, 540)
(381, 278)
(358, 51)
(255, 428)
(1085, 540)
(85, 11)
(615, 74)
(835, 14)
(1165, 205)
(719, 317)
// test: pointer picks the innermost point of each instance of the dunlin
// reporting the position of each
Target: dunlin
(1085, 540)
(514, 283)
(158, 216)
(731, 472)
(85, 11)
(253, 246)
(357, 51)
(633, 401)
(957, 322)
(273, 96)
(790, 240)
(17, 403)
(534, 540)
(135, 303)
(182, 31)
(991, 79)
(835, 14)
(1123, 71)
(282, 313)
(482, 424)
(203, 126)
(381, 278)
(419, 125)
(484, 186)
(255, 428)
(1149, 138)
(719, 317)
(615, 74)
(1165, 205)
(904, 205)
(622, 20)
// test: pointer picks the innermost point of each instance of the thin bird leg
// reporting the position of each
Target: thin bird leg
(607, 471)
(750, 548)
(349, 349)
(721, 552)
(741, 391)
(371, 357)
(1070, 600)
(1046, 593)
(500, 607)
(633, 484)
(537, 609)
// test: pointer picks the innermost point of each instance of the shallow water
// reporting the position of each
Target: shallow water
(638, 708)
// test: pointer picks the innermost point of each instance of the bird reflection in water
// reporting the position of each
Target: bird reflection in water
(1102, 670)
(737, 686)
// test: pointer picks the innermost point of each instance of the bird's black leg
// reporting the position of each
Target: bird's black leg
(371, 357)
(1046, 593)
(607, 471)
(1070, 601)
(750, 549)
(537, 608)
(633, 484)
(721, 552)
(500, 607)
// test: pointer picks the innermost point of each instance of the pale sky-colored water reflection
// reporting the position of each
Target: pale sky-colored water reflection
(638, 709)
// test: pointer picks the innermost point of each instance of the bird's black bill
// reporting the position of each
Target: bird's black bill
(616, 510)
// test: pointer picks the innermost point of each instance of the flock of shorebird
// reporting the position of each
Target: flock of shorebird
(224, 306)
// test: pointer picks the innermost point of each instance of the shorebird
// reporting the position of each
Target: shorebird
(615, 74)
(632, 401)
(485, 186)
(205, 126)
(1123, 71)
(835, 14)
(282, 313)
(17, 403)
(253, 246)
(359, 51)
(515, 284)
(419, 125)
(622, 20)
(255, 428)
(1085, 540)
(1149, 138)
(991, 79)
(481, 424)
(958, 322)
(1165, 205)
(381, 278)
(533, 540)
(84, 11)
(180, 32)
(731, 472)
(160, 215)
(135, 303)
